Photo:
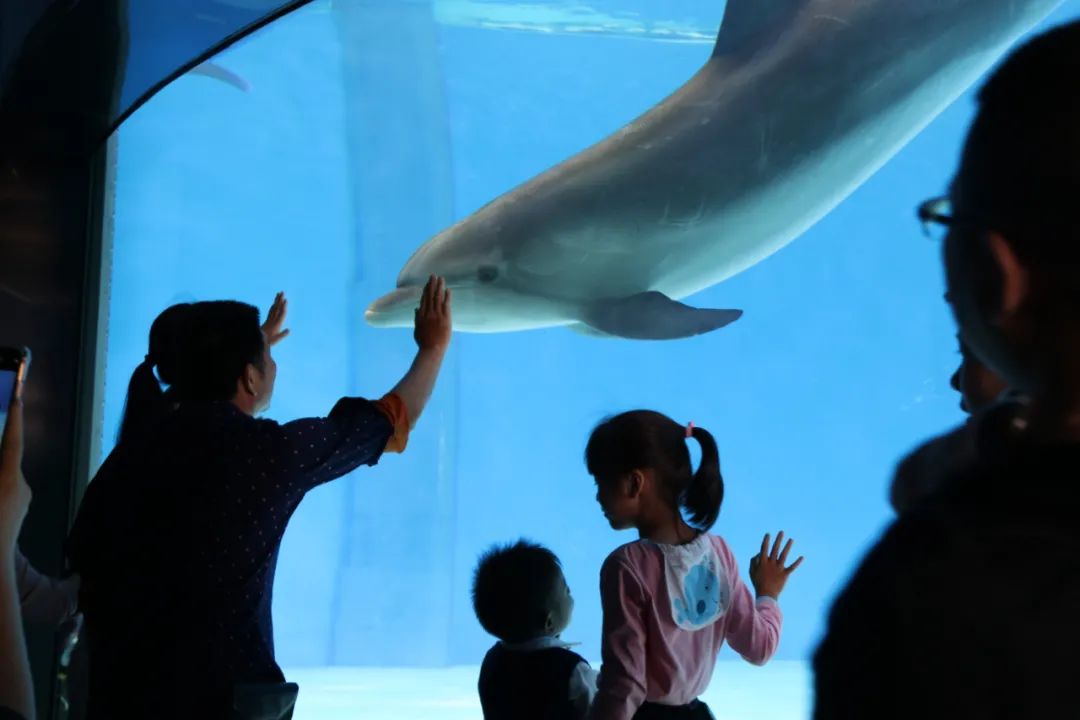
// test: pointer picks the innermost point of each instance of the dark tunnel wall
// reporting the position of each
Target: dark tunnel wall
(50, 184)
(64, 86)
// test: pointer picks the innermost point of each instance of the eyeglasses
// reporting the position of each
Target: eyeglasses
(936, 217)
(938, 220)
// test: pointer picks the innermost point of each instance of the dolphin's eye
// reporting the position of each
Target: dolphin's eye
(487, 273)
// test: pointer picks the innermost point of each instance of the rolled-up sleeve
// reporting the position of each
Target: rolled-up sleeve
(394, 408)
(317, 450)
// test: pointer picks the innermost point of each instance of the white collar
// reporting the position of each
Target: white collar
(541, 643)
(693, 547)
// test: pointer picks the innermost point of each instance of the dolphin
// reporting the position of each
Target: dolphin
(800, 103)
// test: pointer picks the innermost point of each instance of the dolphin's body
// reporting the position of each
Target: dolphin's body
(801, 102)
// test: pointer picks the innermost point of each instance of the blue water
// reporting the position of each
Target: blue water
(372, 125)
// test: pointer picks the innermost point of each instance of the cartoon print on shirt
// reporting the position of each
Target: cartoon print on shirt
(702, 593)
(697, 584)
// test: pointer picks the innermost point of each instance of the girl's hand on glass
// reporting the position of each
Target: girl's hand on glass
(767, 571)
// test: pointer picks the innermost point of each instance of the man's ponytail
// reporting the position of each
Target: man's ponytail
(147, 404)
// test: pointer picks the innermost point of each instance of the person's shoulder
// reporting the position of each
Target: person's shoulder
(108, 467)
(264, 425)
(916, 551)
(723, 553)
(922, 530)
(494, 658)
(630, 554)
(560, 656)
(998, 499)
(931, 466)
(211, 423)
(634, 562)
(493, 652)
(489, 668)
(570, 655)
(719, 544)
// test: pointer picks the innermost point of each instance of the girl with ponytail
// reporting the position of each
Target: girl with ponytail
(673, 597)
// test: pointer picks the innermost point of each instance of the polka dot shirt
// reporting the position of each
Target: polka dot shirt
(177, 542)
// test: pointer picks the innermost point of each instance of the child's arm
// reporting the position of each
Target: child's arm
(45, 599)
(621, 685)
(433, 327)
(753, 625)
(16, 687)
(582, 688)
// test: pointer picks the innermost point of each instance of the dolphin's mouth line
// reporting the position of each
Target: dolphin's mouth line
(404, 291)
(393, 302)
(449, 286)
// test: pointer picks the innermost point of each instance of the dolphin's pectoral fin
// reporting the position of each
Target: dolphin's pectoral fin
(654, 316)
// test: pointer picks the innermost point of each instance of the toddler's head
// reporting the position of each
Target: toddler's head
(519, 593)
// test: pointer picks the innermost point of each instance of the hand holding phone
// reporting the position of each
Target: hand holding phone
(14, 492)
(14, 364)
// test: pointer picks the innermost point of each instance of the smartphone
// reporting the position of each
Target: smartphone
(14, 364)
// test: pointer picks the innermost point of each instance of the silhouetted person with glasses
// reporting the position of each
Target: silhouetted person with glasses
(967, 607)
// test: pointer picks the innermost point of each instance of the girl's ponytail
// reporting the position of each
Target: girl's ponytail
(705, 493)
